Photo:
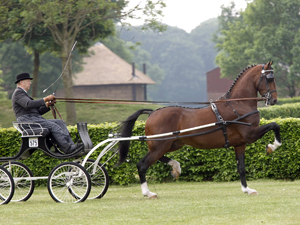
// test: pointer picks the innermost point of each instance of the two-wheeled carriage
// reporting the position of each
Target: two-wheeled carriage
(67, 182)
(70, 182)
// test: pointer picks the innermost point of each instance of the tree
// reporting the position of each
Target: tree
(202, 38)
(185, 58)
(117, 46)
(141, 57)
(67, 19)
(14, 28)
(3, 95)
(131, 53)
(17, 58)
(264, 31)
(13, 56)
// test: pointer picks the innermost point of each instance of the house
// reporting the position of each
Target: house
(106, 75)
(216, 86)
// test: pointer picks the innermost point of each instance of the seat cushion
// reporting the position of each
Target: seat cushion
(36, 131)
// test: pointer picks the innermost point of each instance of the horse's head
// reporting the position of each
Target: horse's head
(266, 84)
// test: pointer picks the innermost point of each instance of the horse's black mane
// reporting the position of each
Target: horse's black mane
(186, 107)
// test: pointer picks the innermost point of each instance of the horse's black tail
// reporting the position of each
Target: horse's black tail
(126, 131)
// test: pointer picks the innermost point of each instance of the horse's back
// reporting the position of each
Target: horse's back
(176, 118)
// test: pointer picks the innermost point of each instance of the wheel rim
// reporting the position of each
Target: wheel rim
(99, 179)
(23, 187)
(6, 186)
(69, 183)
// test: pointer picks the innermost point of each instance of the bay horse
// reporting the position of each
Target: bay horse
(238, 104)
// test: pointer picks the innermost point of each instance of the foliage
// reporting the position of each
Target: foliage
(71, 21)
(3, 95)
(185, 58)
(196, 164)
(282, 101)
(117, 46)
(264, 31)
(282, 111)
(139, 56)
(154, 71)
(16, 59)
(38, 39)
(202, 39)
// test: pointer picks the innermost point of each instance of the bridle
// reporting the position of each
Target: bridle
(268, 78)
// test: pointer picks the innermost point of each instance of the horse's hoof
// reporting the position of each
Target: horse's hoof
(153, 197)
(254, 193)
(269, 150)
(175, 174)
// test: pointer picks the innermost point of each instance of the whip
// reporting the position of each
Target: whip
(61, 72)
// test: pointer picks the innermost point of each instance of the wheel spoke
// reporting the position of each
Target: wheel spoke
(7, 186)
(23, 186)
(69, 182)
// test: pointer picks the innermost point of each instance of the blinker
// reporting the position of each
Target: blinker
(270, 77)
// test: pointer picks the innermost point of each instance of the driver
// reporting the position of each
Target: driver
(26, 109)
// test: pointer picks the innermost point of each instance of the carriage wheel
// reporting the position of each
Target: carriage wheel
(7, 186)
(23, 186)
(100, 179)
(66, 178)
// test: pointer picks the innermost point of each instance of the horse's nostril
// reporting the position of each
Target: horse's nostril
(275, 101)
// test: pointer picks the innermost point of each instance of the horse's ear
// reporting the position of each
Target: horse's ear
(269, 64)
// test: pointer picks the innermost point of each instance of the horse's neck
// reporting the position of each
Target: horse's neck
(244, 88)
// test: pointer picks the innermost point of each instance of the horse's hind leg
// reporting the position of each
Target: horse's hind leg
(156, 152)
(143, 166)
(240, 158)
(175, 165)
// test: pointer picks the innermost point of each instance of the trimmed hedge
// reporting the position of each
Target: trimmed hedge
(196, 164)
(282, 111)
(282, 101)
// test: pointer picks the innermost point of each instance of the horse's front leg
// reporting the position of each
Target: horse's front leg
(240, 159)
(143, 166)
(258, 132)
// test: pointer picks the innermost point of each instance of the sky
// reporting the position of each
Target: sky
(188, 14)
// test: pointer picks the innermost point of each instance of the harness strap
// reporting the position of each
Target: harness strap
(58, 113)
(222, 125)
(246, 115)
(233, 109)
(53, 111)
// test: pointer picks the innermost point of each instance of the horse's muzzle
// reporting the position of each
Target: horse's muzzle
(273, 101)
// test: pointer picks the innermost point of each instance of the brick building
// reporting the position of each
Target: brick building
(216, 86)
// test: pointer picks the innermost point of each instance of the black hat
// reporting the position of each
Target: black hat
(23, 76)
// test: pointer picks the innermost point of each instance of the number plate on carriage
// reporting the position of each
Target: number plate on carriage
(33, 142)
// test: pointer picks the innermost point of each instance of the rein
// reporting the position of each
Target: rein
(119, 101)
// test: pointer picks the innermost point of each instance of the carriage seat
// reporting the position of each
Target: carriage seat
(34, 136)
(31, 129)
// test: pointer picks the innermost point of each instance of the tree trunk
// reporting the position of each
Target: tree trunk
(35, 74)
(68, 85)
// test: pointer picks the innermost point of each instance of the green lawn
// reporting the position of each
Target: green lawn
(177, 203)
(90, 113)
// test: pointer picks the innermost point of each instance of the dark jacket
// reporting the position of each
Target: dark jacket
(23, 104)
